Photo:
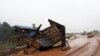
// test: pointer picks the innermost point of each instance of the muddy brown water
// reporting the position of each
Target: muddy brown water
(90, 48)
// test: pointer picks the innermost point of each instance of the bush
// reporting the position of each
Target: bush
(8, 37)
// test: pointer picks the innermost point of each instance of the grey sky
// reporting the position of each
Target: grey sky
(76, 15)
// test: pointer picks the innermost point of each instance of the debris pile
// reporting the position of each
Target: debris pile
(36, 39)
(48, 37)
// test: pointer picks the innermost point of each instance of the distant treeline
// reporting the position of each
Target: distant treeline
(8, 37)
(6, 32)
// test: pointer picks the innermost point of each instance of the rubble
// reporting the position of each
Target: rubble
(43, 39)
(49, 36)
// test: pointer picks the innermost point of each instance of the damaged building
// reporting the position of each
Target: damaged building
(49, 36)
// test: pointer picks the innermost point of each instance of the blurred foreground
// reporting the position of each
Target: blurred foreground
(80, 45)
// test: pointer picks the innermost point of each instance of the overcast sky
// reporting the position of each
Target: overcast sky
(76, 15)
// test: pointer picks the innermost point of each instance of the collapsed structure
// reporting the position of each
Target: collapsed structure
(49, 36)
(43, 39)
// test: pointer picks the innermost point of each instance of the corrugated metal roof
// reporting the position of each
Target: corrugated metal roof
(25, 27)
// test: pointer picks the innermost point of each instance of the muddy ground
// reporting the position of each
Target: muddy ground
(80, 46)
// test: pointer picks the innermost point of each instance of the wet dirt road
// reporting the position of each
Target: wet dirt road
(81, 46)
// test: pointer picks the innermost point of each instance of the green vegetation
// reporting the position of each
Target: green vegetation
(8, 37)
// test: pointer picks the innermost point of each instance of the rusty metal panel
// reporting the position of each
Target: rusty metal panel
(52, 33)
(61, 28)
